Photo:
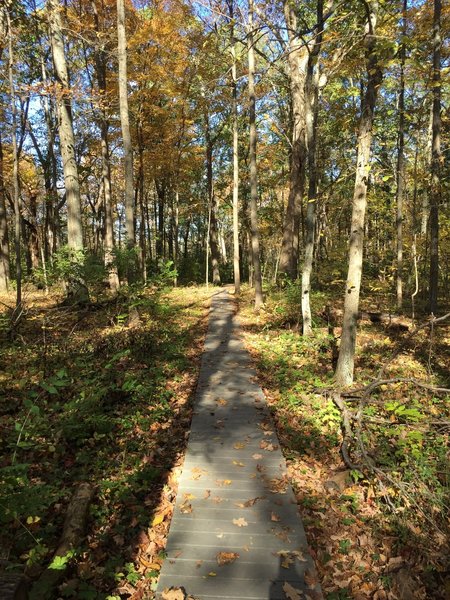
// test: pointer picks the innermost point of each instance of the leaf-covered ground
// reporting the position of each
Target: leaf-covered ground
(372, 538)
(92, 396)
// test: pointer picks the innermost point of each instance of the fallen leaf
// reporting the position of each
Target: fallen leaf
(188, 496)
(222, 401)
(222, 482)
(197, 472)
(157, 519)
(267, 446)
(225, 558)
(238, 463)
(149, 565)
(239, 445)
(212, 574)
(310, 578)
(173, 594)
(241, 522)
(257, 456)
(274, 517)
(291, 592)
(186, 508)
(207, 494)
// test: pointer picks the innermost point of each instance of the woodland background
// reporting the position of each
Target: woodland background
(297, 150)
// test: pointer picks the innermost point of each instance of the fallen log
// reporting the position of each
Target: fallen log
(13, 586)
(72, 535)
(334, 317)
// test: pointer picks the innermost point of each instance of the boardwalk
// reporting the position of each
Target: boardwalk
(236, 532)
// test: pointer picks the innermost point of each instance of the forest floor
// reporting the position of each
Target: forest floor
(92, 395)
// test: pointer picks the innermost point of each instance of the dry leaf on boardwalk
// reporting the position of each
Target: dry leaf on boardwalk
(257, 456)
(222, 482)
(241, 522)
(267, 446)
(197, 472)
(311, 579)
(291, 592)
(186, 508)
(225, 558)
(173, 594)
(239, 445)
(250, 502)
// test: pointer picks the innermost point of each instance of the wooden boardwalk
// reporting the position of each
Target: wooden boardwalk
(235, 532)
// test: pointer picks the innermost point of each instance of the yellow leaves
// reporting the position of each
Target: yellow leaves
(222, 482)
(241, 522)
(157, 519)
(239, 445)
(197, 472)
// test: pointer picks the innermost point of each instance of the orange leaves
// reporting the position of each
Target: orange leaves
(225, 558)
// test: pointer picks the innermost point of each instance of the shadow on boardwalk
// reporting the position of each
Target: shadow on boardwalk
(236, 532)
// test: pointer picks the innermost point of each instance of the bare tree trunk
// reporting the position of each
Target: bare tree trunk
(237, 273)
(161, 193)
(100, 61)
(253, 166)
(213, 236)
(15, 173)
(346, 360)
(4, 240)
(435, 195)
(126, 135)
(298, 56)
(401, 160)
(312, 111)
(76, 289)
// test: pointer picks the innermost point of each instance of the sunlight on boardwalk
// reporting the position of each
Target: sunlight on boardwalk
(235, 532)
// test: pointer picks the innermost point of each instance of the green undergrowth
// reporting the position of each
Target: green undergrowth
(95, 396)
(402, 496)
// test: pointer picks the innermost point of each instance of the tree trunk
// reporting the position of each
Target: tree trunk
(346, 360)
(253, 166)
(161, 192)
(435, 192)
(312, 111)
(401, 160)
(4, 240)
(100, 62)
(15, 173)
(126, 135)
(76, 289)
(213, 236)
(234, 109)
(298, 57)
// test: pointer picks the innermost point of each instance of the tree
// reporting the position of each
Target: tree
(298, 57)
(125, 124)
(435, 195)
(253, 166)
(346, 359)
(233, 50)
(100, 63)
(76, 289)
(401, 158)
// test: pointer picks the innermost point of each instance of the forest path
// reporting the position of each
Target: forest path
(235, 532)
